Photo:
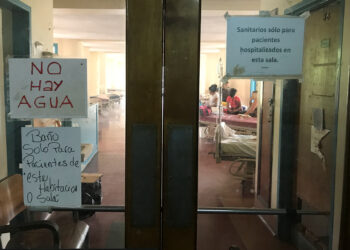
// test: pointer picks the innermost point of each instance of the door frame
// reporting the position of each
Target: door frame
(22, 40)
(296, 10)
(143, 124)
(18, 45)
(266, 204)
(345, 216)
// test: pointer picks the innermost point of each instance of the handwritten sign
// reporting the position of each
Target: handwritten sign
(264, 46)
(48, 88)
(51, 166)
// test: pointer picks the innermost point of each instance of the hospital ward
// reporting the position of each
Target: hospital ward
(175, 124)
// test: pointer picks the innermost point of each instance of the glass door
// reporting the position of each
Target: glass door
(175, 190)
(269, 203)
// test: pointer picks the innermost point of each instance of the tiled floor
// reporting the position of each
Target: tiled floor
(110, 161)
(216, 189)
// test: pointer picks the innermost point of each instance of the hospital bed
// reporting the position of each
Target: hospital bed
(239, 149)
(105, 101)
(241, 123)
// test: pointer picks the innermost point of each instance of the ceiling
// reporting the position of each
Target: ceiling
(104, 29)
(120, 4)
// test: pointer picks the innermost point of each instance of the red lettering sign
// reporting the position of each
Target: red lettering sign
(66, 101)
(54, 70)
(58, 84)
(39, 105)
(24, 101)
(50, 87)
(56, 104)
(39, 70)
(32, 86)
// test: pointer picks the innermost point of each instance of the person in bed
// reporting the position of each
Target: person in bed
(233, 103)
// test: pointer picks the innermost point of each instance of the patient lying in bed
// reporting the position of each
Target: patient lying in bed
(234, 145)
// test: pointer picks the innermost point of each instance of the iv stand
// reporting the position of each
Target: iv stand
(220, 75)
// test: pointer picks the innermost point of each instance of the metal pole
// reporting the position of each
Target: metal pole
(255, 211)
(241, 211)
(95, 208)
(220, 93)
(207, 210)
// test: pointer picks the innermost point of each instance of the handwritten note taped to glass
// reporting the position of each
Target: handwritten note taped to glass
(51, 167)
(48, 88)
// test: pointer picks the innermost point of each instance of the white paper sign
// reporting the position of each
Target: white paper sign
(264, 46)
(51, 166)
(48, 88)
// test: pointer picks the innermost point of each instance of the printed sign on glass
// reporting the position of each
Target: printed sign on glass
(51, 161)
(48, 88)
(264, 46)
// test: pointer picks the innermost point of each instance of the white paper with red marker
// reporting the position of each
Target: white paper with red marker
(48, 88)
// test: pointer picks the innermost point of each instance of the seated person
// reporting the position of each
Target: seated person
(214, 96)
(253, 105)
(225, 90)
(233, 103)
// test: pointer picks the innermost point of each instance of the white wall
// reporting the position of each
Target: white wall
(93, 74)
(70, 48)
(211, 61)
(102, 75)
(202, 74)
(276, 144)
(115, 71)
(96, 63)
(243, 89)
(209, 76)
(41, 24)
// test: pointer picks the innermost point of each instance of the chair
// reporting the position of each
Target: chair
(59, 230)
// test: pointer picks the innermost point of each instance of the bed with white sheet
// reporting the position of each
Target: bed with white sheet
(231, 144)
(239, 149)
